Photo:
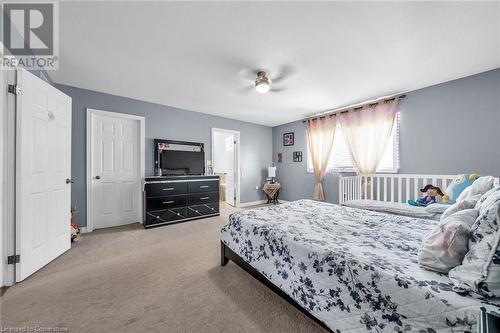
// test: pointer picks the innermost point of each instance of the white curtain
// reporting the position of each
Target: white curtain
(320, 135)
(366, 132)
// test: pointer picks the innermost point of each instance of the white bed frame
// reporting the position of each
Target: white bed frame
(390, 187)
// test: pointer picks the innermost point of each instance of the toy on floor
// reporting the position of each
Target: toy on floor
(75, 230)
(75, 233)
(431, 192)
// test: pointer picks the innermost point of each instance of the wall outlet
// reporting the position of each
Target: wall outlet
(257, 187)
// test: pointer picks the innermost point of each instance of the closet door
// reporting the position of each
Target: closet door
(43, 173)
(115, 169)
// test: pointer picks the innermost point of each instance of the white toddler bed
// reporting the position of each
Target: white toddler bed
(390, 193)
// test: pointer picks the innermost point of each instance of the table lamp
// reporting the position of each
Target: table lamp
(271, 173)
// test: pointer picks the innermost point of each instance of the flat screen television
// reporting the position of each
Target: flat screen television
(180, 162)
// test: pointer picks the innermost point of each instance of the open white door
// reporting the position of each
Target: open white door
(116, 166)
(43, 174)
(230, 167)
(225, 159)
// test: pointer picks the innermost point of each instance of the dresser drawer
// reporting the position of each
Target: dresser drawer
(202, 198)
(203, 186)
(163, 189)
(172, 201)
(202, 210)
(163, 216)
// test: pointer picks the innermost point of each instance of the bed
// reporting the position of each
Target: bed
(349, 269)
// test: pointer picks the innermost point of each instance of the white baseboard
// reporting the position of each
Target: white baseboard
(252, 203)
(83, 230)
(258, 202)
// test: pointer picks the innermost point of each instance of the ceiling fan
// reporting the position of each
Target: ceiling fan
(262, 82)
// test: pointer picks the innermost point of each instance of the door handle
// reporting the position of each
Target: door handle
(69, 181)
(205, 198)
(97, 177)
(204, 186)
(168, 202)
(168, 189)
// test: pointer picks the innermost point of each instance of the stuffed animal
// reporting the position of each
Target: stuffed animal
(431, 192)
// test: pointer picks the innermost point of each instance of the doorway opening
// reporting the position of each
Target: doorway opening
(226, 164)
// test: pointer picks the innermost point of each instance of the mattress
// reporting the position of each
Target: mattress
(391, 207)
(353, 269)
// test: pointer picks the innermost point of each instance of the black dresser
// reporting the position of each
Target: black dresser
(173, 199)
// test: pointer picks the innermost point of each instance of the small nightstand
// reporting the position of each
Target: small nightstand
(272, 190)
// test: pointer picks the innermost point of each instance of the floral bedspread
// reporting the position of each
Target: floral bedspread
(353, 269)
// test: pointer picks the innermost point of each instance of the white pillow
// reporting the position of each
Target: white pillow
(487, 199)
(480, 186)
(480, 269)
(446, 245)
(461, 205)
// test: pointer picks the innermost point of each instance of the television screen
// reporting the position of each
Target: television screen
(178, 162)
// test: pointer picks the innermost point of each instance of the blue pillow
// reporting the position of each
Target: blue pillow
(457, 186)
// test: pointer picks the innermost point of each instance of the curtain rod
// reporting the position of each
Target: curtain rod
(353, 107)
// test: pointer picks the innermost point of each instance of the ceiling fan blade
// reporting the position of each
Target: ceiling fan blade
(285, 72)
(276, 90)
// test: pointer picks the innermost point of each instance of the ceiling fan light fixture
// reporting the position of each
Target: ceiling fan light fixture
(262, 84)
(262, 87)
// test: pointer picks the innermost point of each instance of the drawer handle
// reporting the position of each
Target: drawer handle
(204, 186)
(168, 202)
(205, 198)
(168, 189)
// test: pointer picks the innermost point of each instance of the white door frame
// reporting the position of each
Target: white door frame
(8, 176)
(3, 172)
(142, 155)
(237, 170)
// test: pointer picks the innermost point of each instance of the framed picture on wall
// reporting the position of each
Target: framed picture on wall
(288, 139)
(297, 156)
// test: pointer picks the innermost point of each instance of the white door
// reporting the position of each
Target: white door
(115, 175)
(43, 164)
(230, 184)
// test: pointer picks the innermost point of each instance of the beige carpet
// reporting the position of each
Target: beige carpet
(166, 279)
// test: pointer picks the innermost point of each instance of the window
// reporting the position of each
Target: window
(340, 159)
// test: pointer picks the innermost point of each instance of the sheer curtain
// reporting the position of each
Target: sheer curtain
(366, 132)
(320, 135)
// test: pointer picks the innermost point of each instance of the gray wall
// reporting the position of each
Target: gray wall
(448, 128)
(167, 123)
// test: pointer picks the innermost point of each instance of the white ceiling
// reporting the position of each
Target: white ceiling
(196, 55)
